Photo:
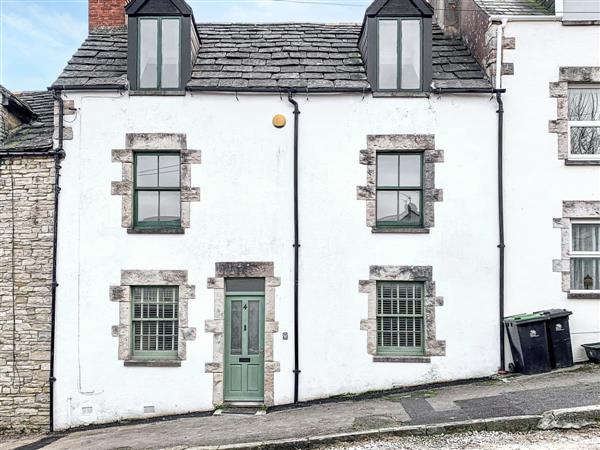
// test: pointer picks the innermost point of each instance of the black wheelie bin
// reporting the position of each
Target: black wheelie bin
(559, 337)
(528, 343)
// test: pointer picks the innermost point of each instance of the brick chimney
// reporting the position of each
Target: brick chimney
(106, 14)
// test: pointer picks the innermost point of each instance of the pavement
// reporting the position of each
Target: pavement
(519, 402)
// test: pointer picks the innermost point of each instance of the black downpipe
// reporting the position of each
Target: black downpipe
(296, 247)
(501, 244)
(58, 155)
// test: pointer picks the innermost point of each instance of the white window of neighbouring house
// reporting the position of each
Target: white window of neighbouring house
(584, 122)
(400, 324)
(155, 322)
(159, 53)
(585, 256)
(399, 54)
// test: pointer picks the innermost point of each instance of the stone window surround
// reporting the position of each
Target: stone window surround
(421, 143)
(432, 346)
(216, 326)
(153, 142)
(560, 91)
(122, 295)
(573, 210)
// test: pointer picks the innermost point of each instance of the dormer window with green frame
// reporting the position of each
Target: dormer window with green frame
(163, 45)
(396, 45)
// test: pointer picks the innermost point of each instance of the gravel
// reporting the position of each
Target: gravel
(588, 439)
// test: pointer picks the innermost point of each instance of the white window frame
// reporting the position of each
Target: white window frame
(581, 123)
(579, 255)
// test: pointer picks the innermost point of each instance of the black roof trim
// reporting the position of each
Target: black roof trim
(425, 8)
(132, 8)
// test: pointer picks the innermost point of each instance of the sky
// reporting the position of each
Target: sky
(38, 37)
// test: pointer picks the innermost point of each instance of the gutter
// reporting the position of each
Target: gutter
(59, 154)
(30, 154)
(501, 244)
(499, 47)
(500, 18)
(296, 247)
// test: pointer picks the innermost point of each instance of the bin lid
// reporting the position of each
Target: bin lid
(525, 318)
(554, 313)
(594, 346)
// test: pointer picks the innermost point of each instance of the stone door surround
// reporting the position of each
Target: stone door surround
(216, 326)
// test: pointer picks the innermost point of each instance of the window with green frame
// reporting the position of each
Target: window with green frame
(155, 322)
(400, 324)
(399, 189)
(157, 190)
(399, 54)
(159, 42)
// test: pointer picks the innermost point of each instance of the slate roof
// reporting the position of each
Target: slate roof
(36, 135)
(14, 102)
(270, 56)
(515, 7)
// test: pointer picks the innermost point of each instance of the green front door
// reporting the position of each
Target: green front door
(244, 348)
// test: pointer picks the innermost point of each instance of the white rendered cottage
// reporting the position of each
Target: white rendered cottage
(271, 213)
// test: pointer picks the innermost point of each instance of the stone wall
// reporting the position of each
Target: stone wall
(25, 299)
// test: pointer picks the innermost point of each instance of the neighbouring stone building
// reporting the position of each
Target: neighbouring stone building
(26, 248)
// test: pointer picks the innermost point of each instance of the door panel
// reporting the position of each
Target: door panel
(244, 348)
(253, 379)
(236, 378)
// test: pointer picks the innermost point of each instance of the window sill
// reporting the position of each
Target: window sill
(402, 359)
(152, 363)
(157, 92)
(582, 162)
(580, 22)
(583, 295)
(383, 94)
(406, 230)
(156, 231)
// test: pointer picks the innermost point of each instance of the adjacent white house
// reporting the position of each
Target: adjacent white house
(260, 214)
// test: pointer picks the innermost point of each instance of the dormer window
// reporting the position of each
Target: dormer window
(159, 53)
(399, 54)
(396, 45)
(163, 45)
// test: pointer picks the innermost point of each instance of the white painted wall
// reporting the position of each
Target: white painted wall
(246, 214)
(536, 181)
